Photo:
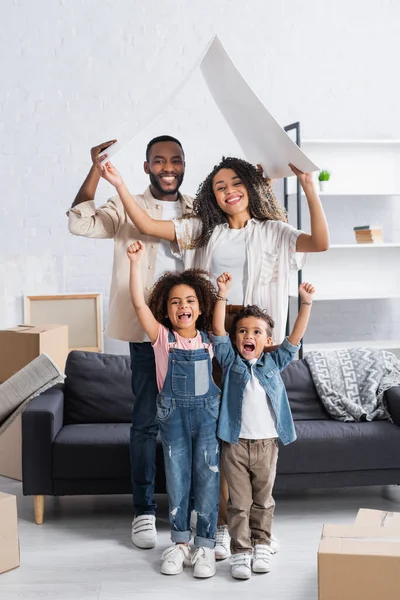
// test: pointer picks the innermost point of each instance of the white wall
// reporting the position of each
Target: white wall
(75, 73)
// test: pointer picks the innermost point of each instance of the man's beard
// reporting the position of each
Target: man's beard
(157, 185)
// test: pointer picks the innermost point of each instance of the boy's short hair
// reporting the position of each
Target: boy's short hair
(252, 311)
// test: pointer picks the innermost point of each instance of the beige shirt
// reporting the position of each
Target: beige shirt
(111, 221)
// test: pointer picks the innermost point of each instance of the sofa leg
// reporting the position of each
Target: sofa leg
(38, 502)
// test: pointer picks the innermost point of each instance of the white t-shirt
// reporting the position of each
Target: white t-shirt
(258, 422)
(231, 256)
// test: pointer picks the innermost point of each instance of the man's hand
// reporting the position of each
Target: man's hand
(95, 151)
(224, 283)
(109, 173)
(306, 291)
(135, 252)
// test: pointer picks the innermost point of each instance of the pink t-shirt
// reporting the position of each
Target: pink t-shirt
(161, 351)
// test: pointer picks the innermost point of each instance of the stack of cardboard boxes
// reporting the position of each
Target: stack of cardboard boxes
(9, 546)
(18, 347)
(361, 561)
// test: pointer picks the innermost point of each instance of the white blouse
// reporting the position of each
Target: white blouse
(271, 256)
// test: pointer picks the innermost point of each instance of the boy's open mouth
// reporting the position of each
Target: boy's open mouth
(249, 347)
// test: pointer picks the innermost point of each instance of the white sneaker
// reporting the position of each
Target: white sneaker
(174, 559)
(241, 566)
(144, 532)
(262, 559)
(274, 545)
(193, 521)
(203, 561)
(222, 542)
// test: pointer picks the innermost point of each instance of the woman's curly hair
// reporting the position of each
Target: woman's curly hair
(263, 204)
(195, 278)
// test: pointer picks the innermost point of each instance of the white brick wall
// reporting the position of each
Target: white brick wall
(75, 73)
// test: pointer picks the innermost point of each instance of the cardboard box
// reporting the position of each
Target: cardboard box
(361, 561)
(9, 544)
(18, 347)
(11, 450)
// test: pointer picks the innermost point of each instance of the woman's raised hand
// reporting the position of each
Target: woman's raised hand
(109, 172)
(306, 180)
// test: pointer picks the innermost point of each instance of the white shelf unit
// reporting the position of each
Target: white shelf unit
(351, 271)
(358, 167)
(352, 194)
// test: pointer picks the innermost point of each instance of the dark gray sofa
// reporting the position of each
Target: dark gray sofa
(75, 437)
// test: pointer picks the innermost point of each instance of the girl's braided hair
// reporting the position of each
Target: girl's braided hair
(194, 278)
(263, 204)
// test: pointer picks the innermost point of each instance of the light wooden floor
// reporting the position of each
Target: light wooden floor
(83, 550)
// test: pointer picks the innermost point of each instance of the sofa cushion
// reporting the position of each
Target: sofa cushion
(97, 388)
(332, 446)
(304, 400)
(97, 451)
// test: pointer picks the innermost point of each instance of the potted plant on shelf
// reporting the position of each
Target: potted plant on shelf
(323, 178)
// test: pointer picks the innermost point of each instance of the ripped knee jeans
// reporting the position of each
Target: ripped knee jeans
(188, 429)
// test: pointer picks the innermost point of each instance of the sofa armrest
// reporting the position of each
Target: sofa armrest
(392, 399)
(41, 421)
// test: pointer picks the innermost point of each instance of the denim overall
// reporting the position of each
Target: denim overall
(187, 414)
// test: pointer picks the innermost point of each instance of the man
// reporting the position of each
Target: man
(165, 165)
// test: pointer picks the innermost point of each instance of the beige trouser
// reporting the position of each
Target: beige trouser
(250, 469)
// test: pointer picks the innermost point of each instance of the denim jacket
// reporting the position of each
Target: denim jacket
(236, 374)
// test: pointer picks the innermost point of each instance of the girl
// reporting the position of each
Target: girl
(237, 226)
(187, 405)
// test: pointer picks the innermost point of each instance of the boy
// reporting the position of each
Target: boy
(254, 412)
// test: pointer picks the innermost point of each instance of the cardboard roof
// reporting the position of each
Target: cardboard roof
(261, 138)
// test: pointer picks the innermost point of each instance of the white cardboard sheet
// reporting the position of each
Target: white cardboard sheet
(261, 138)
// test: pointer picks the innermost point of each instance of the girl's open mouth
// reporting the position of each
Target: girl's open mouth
(184, 316)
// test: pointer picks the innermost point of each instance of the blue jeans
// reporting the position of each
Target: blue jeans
(191, 454)
(144, 428)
